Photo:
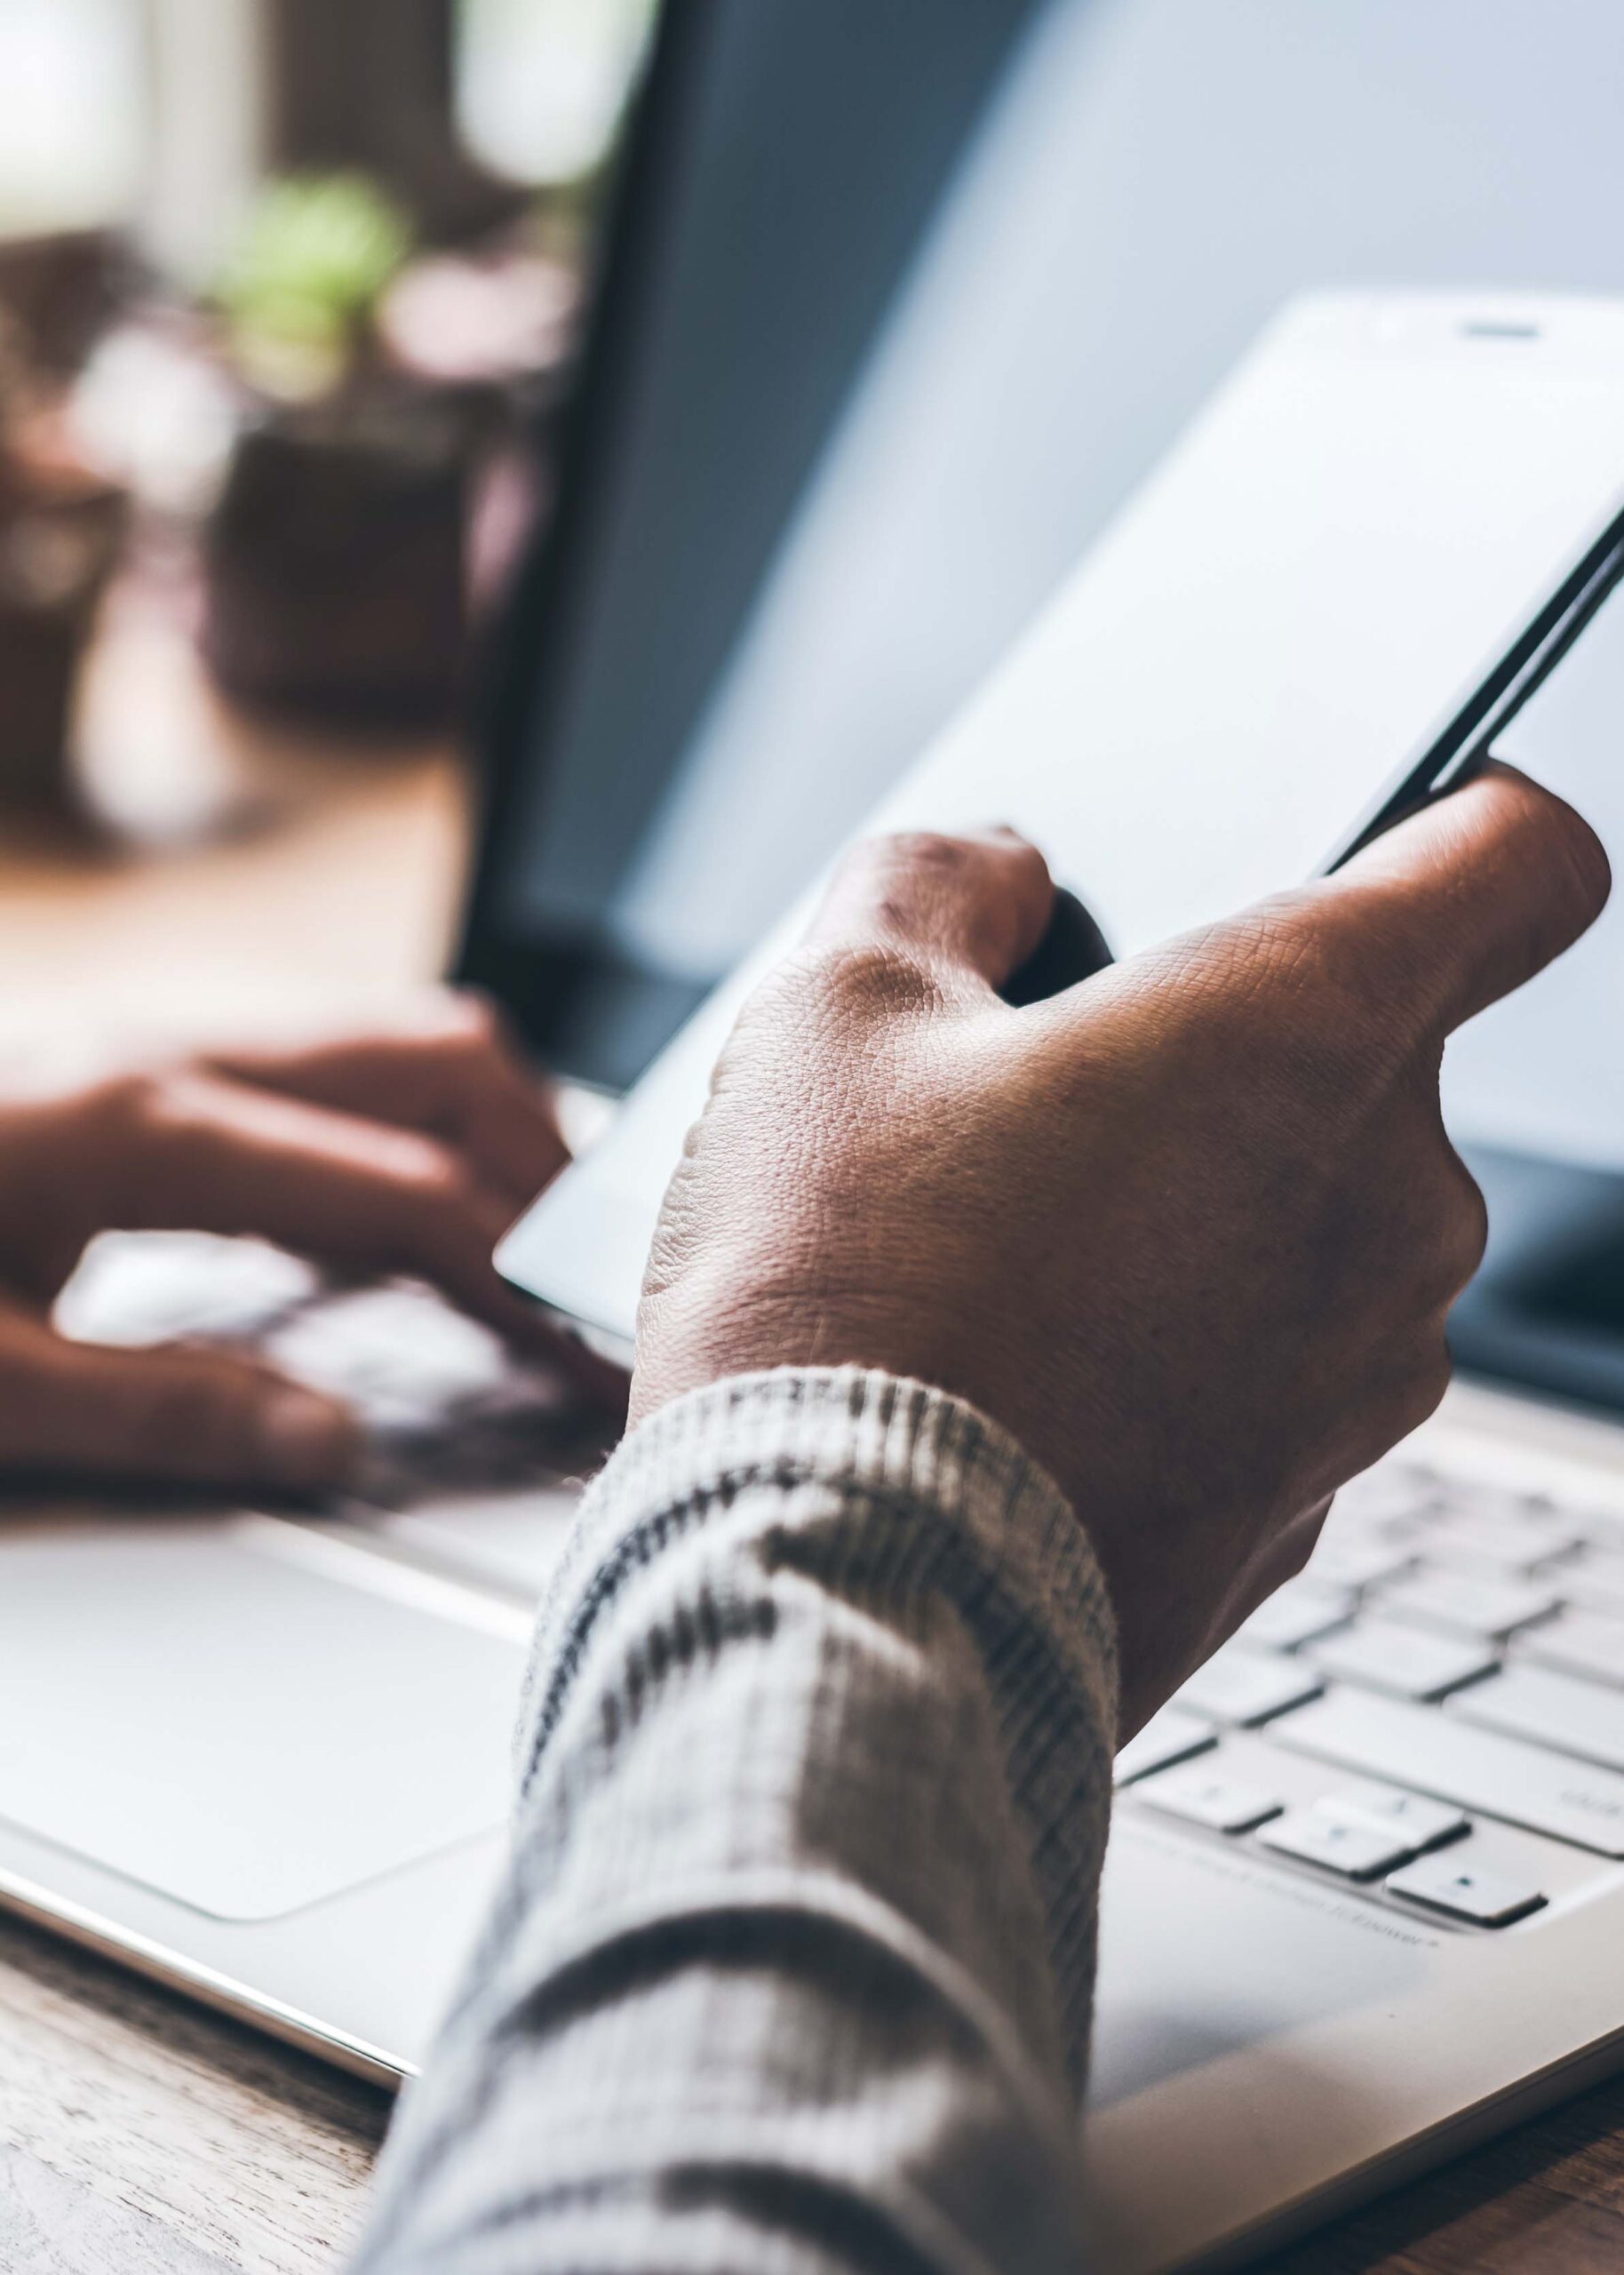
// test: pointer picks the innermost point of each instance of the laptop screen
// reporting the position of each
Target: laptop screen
(888, 326)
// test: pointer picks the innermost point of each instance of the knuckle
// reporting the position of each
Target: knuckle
(894, 874)
(146, 1131)
(138, 1099)
(155, 1105)
(431, 1177)
(923, 849)
(474, 1024)
(860, 977)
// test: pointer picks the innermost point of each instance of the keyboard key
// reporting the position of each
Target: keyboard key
(1166, 1738)
(1466, 1603)
(1201, 1798)
(1514, 1544)
(139, 1287)
(1553, 1710)
(395, 1347)
(1580, 1642)
(1391, 1490)
(1434, 1753)
(1341, 1844)
(1594, 1580)
(1421, 1824)
(1296, 1614)
(1458, 1494)
(1247, 1687)
(1447, 1884)
(1356, 1559)
(1602, 1528)
(1410, 1662)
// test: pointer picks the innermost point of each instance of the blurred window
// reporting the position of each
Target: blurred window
(73, 129)
(541, 83)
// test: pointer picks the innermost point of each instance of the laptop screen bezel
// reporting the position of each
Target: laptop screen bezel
(559, 948)
(521, 675)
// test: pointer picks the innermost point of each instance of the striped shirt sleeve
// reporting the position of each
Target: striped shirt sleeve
(792, 1968)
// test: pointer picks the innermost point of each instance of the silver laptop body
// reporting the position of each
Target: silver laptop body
(1363, 1902)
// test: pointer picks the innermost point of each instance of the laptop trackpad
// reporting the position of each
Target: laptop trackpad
(241, 1713)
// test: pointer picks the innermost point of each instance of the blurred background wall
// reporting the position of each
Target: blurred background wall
(165, 113)
(288, 292)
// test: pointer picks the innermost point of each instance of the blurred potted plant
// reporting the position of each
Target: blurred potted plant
(334, 557)
(61, 525)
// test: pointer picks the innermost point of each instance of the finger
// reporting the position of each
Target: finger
(169, 1414)
(448, 1069)
(1466, 901)
(973, 906)
(209, 1156)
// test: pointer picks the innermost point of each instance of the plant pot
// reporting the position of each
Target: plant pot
(335, 578)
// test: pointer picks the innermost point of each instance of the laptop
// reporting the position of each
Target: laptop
(884, 328)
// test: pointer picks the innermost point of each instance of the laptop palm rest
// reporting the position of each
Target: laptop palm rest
(241, 1714)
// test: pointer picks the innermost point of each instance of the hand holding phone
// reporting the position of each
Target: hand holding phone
(1360, 554)
(1196, 1222)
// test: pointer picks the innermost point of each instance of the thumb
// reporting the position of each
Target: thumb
(1467, 899)
(973, 906)
(170, 1415)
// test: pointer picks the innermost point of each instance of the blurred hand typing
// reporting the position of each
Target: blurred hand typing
(409, 1148)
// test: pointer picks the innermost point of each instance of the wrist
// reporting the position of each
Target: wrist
(882, 1434)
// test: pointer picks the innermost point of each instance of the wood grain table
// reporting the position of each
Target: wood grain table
(250, 874)
(140, 2135)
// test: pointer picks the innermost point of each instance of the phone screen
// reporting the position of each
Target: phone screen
(1280, 626)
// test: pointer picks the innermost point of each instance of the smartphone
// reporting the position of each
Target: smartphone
(1358, 562)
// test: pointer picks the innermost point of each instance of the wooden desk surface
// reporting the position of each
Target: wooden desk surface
(140, 2135)
(267, 873)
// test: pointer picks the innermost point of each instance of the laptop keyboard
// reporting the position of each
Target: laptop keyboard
(1431, 1715)
(472, 1452)
(1432, 1712)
